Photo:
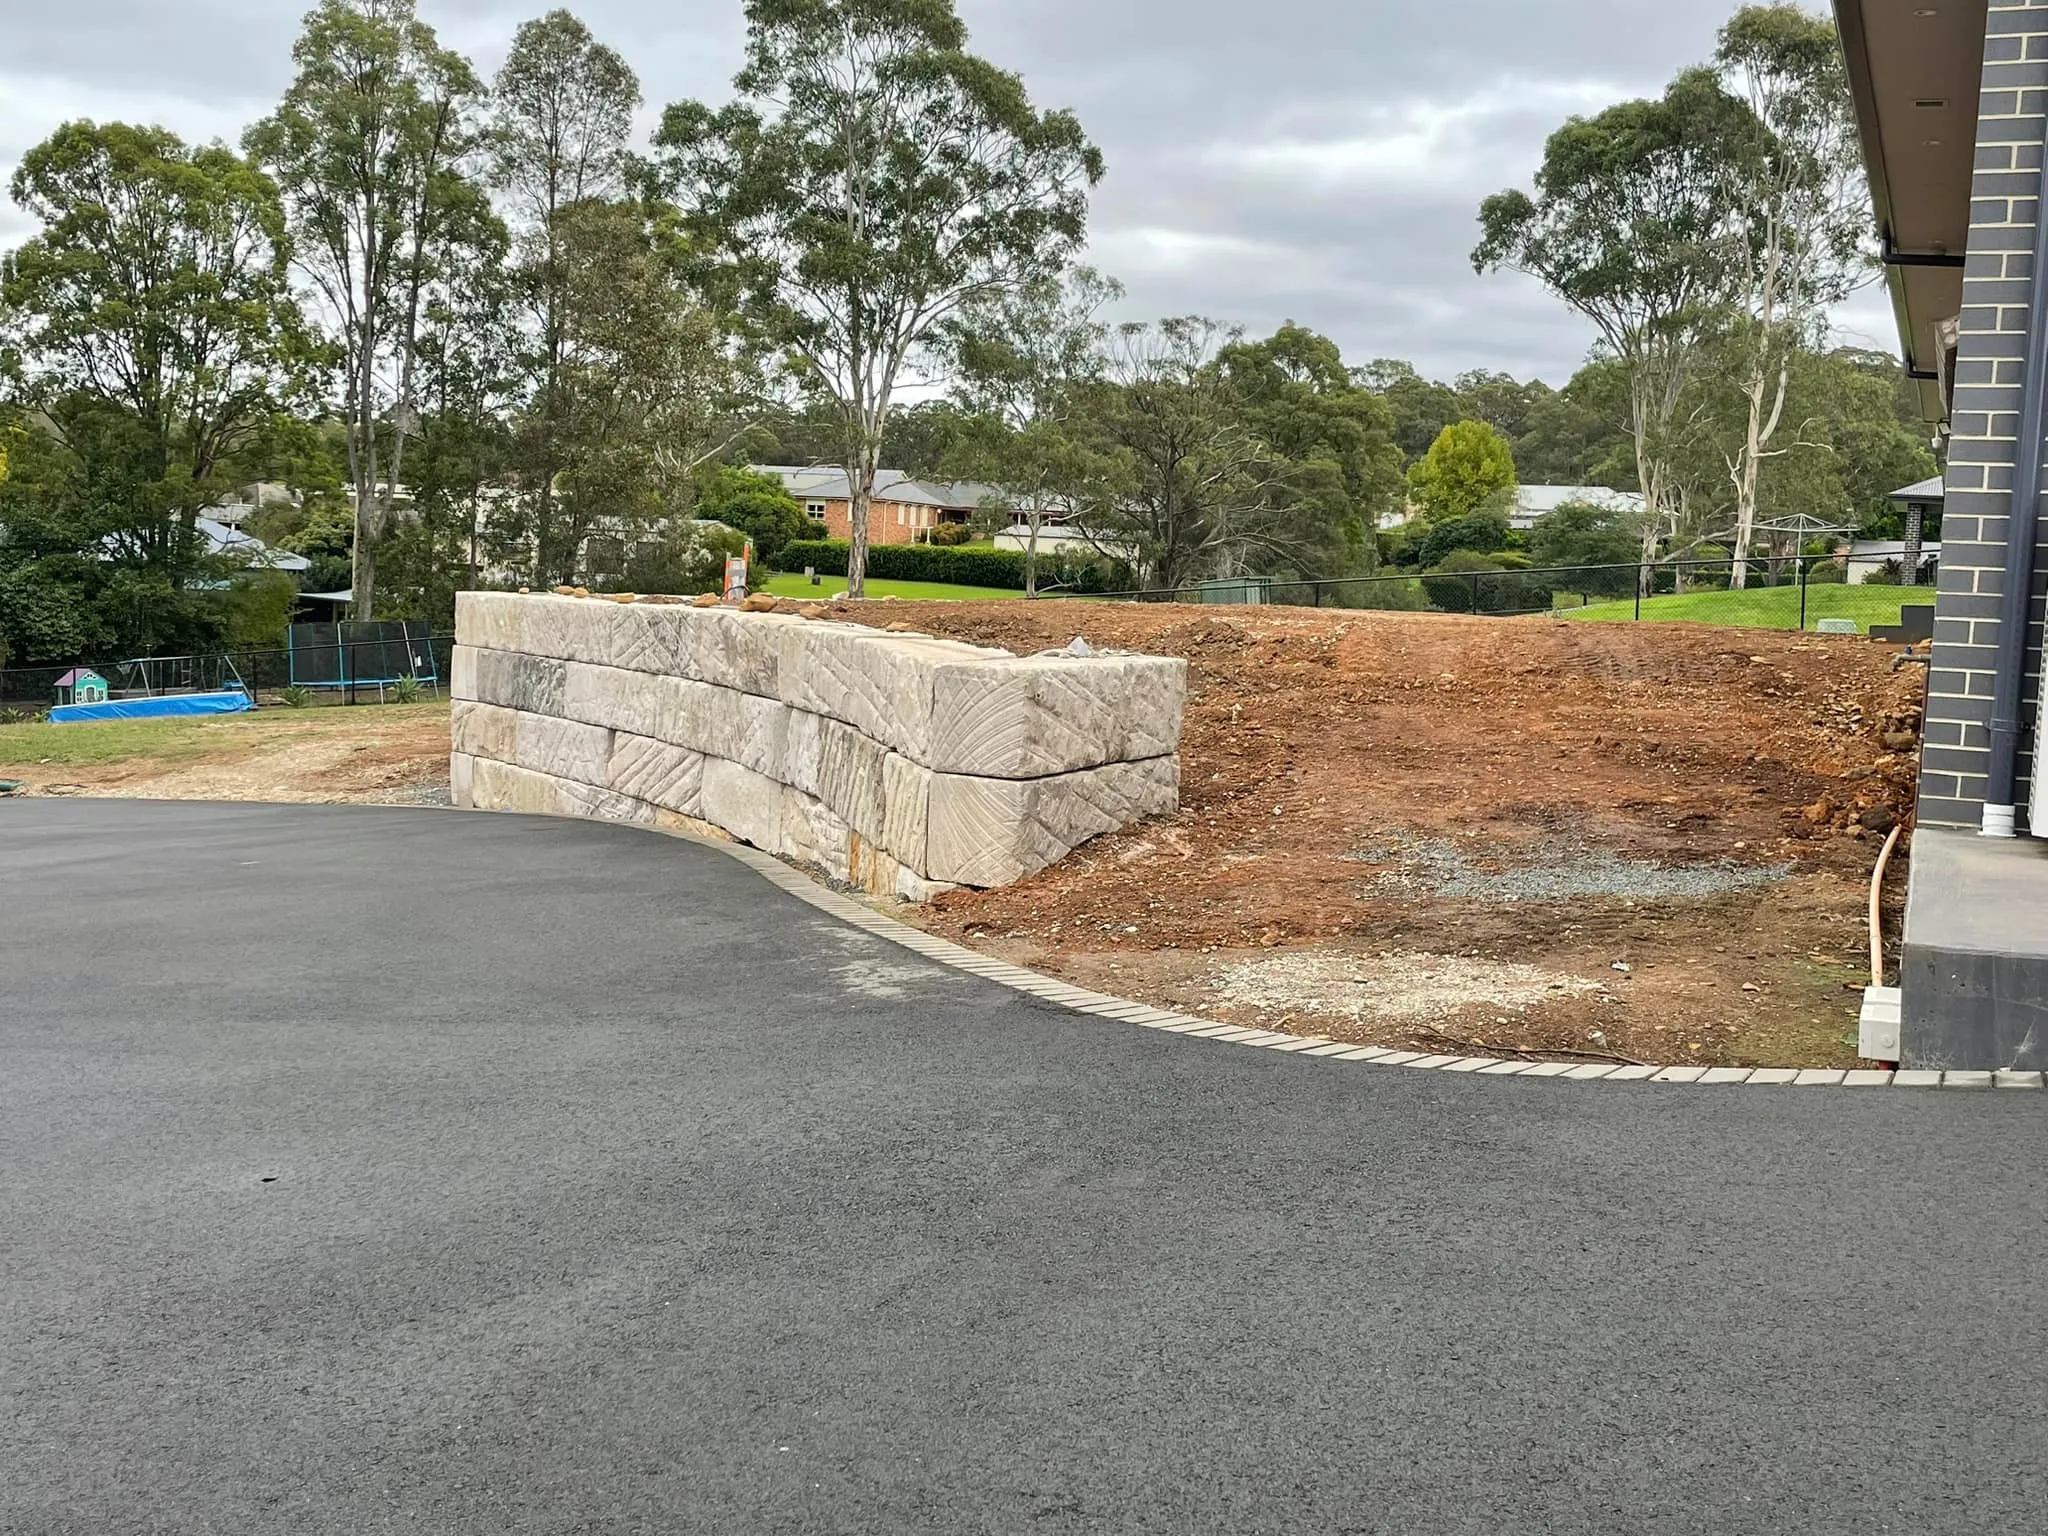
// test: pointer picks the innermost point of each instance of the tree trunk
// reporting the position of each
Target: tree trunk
(860, 499)
(1037, 516)
(1757, 438)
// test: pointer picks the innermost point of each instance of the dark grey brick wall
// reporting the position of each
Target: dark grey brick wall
(1997, 281)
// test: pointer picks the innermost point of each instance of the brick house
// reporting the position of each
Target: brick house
(902, 511)
(1952, 106)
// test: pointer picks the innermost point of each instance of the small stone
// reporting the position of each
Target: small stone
(1750, 986)
(565, 592)
(760, 602)
(1901, 741)
(1821, 812)
(708, 600)
(1880, 818)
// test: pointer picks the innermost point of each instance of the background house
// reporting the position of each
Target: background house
(903, 509)
(1535, 502)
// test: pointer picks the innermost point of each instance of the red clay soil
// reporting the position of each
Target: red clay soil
(1648, 842)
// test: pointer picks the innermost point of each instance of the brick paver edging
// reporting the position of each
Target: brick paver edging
(809, 891)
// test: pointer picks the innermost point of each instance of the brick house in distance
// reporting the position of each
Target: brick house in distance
(1952, 105)
(902, 511)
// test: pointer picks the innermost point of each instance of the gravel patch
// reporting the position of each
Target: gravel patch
(1408, 987)
(431, 794)
(1434, 867)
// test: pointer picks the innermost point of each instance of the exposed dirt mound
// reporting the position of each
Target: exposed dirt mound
(1685, 817)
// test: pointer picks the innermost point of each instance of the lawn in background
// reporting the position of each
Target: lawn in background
(795, 586)
(102, 743)
(1763, 607)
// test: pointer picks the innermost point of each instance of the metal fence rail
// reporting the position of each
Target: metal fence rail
(1792, 593)
(264, 671)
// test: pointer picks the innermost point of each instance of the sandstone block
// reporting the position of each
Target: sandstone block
(651, 638)
(462, 673)
(485, 730)
(639, 703)
(835, 764)
(739, 650)
(743, 727)
(879, 684)
(570, 629)
(676, 821)
(564, 749)
(461, 789)
(906, 813)
(995, 832)
(489, 621)
(667, 777)
(745, 803)
(533, 684)
(812, 835)
(1032, 717)
(505, 787)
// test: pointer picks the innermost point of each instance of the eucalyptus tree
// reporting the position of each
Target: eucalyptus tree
(872, 185)
(562, 127)
(1027, 365)
(372, 147)
(1631, 225)
(1801, 206)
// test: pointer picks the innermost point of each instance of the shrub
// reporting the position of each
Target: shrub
(407, 690)
(999, 568)
(1401, 594)
(1454, 587)
(755, 504)
(295, 697)
(1481, 532)
(948, 535)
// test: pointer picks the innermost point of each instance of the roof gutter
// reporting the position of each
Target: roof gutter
(2001, 817)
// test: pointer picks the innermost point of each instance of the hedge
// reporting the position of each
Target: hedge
(1002, 569)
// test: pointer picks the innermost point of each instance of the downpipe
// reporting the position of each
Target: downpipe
(2001, 798)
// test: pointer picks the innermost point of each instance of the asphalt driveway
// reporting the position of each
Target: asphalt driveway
(374, 1171)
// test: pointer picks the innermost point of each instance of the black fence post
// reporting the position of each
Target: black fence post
(1642, 576)
(1801, 566)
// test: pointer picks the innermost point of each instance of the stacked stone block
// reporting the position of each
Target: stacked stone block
(897, 763)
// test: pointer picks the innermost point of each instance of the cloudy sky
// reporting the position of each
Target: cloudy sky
(1315, 160)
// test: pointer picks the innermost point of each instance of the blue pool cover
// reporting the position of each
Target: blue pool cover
(176, 706)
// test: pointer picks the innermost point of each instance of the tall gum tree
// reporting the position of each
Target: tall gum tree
(873, 184)
(1027, 365)
(371, 147)
(1630, 225)
(1801, 209)
(562, 124)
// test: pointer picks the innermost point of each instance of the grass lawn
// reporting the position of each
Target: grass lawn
(1763, 607)
(923, 591)
(102, 743)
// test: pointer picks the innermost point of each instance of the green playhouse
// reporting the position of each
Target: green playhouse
(81, 685)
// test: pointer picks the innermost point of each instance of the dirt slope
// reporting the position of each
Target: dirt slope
(1643, 841)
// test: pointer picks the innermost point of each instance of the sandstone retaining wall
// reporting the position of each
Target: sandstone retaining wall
(898, 763)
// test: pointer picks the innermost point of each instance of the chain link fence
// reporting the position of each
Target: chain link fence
(1789, 593)
(333, 671)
